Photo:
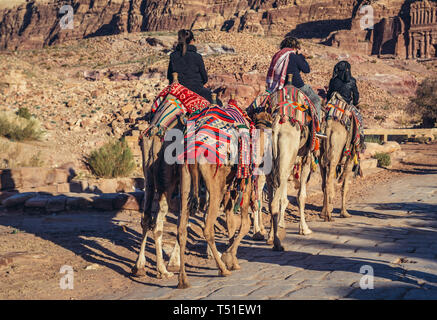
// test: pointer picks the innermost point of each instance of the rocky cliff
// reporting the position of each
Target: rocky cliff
(27, 24)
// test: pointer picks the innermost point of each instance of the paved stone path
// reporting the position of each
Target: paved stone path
(394, 232)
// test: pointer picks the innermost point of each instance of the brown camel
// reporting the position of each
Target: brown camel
(334, 158)
(218, 179)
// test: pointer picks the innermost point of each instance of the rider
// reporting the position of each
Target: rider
(189, 65)
(290, 61)
(343, 83)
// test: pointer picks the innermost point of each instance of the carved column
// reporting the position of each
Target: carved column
(412, 47)
(425, 45)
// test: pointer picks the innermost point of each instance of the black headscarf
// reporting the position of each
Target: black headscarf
(342, 71)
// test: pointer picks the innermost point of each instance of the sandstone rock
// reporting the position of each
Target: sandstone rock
(11, 179)
(104, 202)
(126, 202)
(374, 148)
(34, 177)
(56, 204)
(18, 199)
(78, 203)
(37, 202)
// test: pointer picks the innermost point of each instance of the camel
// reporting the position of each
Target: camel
(333, 158)
(218, 180)
(287, 145)
(161, 180)
(291, 146)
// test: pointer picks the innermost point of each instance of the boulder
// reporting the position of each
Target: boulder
(18, 199)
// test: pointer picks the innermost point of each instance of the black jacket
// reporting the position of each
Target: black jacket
(348, 90)
(190, 68)
(296, 65)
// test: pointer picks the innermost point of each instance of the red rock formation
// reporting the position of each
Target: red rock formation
(35, 23)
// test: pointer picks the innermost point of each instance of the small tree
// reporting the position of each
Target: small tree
(114, 159)
(425, 102)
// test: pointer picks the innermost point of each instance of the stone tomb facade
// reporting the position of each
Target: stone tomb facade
(422, 35)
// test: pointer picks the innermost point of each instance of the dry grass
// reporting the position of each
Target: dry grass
(18, 128)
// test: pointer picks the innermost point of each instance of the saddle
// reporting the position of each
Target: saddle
(290, 104)
(349, 116)
(213, 133)
(171, 106)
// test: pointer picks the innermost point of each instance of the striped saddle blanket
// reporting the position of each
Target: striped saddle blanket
(171, 105)
(290, 104)
(346, 114)
(221, 135)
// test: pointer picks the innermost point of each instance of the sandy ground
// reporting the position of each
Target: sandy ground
(101, 248)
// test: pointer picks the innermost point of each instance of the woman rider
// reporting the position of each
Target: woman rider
(189, 65)
(343, 83)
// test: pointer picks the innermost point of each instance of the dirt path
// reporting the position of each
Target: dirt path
(392, 230)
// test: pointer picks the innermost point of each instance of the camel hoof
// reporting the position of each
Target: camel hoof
(258, 237)
(183, 285)
(227, 260)
(235, 267)
(345, 214)
(278, 248)
(224, 273)
(173, 268)
(305, 232)
(270, 240)
(329, 219)
(138, 272)
(165, 275)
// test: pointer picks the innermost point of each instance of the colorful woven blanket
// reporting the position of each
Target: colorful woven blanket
(172, 104)
(214, 133)
(191, 100)
(341, 111)
(290, 104)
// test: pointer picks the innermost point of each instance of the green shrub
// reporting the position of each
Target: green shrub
(18, 128)
(383, 158)
(425, 102)
(374, 139)
(114, 159)
(24, 113)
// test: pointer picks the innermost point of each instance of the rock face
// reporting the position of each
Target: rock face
(36, 23)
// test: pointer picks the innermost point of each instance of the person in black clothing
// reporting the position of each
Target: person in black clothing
(189, 65)
(343, 83)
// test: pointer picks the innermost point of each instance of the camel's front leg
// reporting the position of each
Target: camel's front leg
(344, 190)
(140, 266)
(230, 256)
(306, 168)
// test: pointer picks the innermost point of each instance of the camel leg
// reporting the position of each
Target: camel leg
(140, 266)
(344, 190)
(215, 187)
(157, 233)
(323, 173)
(182, 225)
(230, 256)
(258, 226)
(330, 191)
(306, 168)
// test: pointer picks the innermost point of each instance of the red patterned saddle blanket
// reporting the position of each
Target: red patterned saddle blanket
(171, 105)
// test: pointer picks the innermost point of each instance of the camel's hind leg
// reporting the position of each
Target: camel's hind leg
(259, 231)
(306, 168)
(215, 186)
(157, 233)
(183, 224)
(344, 190)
